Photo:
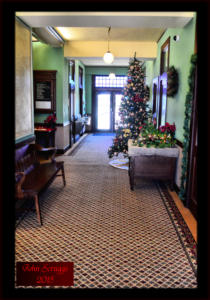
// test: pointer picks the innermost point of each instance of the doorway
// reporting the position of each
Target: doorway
(107, 106)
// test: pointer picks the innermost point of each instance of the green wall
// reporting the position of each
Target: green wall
(180, 54)
(46, 57)
(89, 71)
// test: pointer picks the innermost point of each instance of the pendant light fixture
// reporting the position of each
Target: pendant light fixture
(108, 56)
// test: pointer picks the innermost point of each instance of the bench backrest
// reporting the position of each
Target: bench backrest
(25, 159)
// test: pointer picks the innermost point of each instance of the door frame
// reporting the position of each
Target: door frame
(112, 93)
(94, 104)
(191, 184)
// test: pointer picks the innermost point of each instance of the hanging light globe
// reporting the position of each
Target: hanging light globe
(112, 76)
(108, 57)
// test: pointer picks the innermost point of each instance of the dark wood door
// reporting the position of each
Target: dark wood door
(155, 97)
(191, 201)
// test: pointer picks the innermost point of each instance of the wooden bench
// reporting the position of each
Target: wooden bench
(35, 170)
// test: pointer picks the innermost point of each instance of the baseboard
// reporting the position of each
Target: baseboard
(75, 145)
(180, 144)
(176, 188)
(62, 151)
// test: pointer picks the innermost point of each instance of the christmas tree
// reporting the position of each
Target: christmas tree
(133, 111)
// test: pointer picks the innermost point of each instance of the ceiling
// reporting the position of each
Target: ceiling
(93, 26)
(116, 33)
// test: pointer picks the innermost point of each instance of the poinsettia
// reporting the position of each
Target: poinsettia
(150, 136)
(168, 128)
(50, 121)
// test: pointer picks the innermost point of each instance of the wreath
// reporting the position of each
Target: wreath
(173, 80)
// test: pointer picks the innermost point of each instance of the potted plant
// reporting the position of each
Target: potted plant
(50, 122)
(149, 136)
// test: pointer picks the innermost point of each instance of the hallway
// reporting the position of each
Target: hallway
(117, 238)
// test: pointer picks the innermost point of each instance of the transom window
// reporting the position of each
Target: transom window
(105, 81)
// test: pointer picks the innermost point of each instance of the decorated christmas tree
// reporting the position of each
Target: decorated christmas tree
(133, 111)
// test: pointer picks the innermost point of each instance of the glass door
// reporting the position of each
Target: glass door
(117, 101)
(107, 110)
(103, 103)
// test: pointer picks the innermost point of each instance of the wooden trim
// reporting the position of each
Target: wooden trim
(110, 89)
(57, 124)
(176, 188)
(93, 103)
(60, 124)
(191, 185)
(50, 77)
(161, 36)
(23, 143)
(160, 103)
(167, 42)
(62, 151)
(95, 90)
(196, 45)
(180, 144)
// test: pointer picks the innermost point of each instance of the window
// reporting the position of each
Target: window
(105, 81)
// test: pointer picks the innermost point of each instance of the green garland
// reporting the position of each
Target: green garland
(186, 127)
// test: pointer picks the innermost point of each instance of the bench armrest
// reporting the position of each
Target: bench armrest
(19, 179)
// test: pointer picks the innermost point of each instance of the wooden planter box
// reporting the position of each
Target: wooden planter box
(152, 163)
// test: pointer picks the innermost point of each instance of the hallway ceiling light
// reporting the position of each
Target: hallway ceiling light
(108, 56)
(112, 76)
(64, 32)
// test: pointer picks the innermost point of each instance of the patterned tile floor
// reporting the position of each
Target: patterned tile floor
(117, 238)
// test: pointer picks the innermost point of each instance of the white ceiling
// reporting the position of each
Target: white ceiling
(93, 26)
(106, 19)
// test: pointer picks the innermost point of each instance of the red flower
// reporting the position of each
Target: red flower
(137, 98)
(168, 128)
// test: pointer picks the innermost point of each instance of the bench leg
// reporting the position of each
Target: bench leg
(63, 175)
(38, 212)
